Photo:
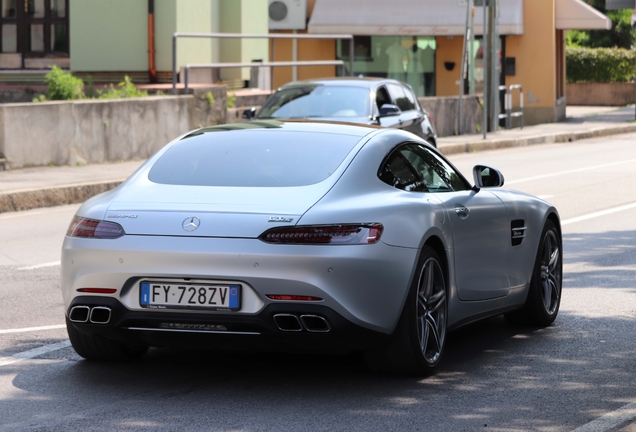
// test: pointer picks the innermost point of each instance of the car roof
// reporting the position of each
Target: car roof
(308, 126)
(364, 82)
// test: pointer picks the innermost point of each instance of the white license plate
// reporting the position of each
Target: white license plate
(170, 295)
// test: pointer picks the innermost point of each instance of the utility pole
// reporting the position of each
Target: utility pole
(493, 66)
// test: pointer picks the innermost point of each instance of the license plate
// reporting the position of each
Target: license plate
(170, 295)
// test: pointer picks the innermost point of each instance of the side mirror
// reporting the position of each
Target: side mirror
(487, 177)
(249, 114)
(388, 110)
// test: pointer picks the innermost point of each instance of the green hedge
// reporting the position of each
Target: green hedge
(599, 64)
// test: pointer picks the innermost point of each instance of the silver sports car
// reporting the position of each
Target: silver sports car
(305, 236)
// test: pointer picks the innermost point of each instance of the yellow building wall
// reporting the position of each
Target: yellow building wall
(449, 49)
(535, 53)
(309, 49)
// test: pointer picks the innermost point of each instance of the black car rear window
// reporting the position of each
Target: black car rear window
(317, 101)
(252, 159)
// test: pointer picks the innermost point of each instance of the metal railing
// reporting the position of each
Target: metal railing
(175, 36)
(509, 114)
(258, 64)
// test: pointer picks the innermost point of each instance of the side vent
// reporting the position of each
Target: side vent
(518, 231)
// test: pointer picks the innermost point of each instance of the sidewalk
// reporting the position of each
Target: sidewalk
(581, 123)
(30, 188)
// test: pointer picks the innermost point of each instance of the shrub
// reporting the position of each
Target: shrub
(63, 86)
(231, 100)
(599, 64)
(126, 90)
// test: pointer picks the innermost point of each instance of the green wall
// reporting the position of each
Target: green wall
(113, 35)
(243, 16)
(108, 35)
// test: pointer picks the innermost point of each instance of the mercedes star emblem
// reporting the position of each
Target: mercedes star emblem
(190, 224)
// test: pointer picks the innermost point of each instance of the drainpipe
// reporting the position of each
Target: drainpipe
(152, 70)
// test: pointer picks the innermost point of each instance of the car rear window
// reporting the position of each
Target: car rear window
(252, 159)
(317, 101)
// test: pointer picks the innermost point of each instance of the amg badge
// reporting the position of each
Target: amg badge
(280, 219)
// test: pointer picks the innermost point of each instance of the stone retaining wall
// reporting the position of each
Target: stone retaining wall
(600, 94)
(444, 113)
(98, 131)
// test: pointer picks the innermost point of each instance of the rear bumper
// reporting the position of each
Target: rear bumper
(364, 284)
(224, 331)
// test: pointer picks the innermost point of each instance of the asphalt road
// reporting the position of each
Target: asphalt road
(578, 373)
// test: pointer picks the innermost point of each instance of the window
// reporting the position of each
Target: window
(415, 168)
(317, 101)
(410, 59)
(252, 159)
(397, 93)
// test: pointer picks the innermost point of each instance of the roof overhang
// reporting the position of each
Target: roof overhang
(408, 17)
(578, 15)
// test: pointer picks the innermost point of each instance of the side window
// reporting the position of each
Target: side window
(414, 168)
(411, 97)
(398, 172)
(397, 93)
(382, 97)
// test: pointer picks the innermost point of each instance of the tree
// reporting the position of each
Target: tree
(620, 36)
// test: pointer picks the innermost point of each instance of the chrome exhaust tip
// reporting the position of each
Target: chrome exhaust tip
(100, 315)
(79, 314)
(287, 323)
(315, 323)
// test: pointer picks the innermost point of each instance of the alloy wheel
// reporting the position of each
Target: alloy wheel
(551, 271)
(431, 311)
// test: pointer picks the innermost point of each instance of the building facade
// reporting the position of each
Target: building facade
(421, 41)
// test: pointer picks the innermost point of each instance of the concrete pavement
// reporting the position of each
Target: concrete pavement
(30, 188)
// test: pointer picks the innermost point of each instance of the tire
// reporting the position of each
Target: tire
(100, 349)
(417, 344)
(544, 295)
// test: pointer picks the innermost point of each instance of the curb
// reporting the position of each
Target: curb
(54, 196)
(555, 138)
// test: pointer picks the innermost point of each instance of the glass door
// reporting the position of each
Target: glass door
(33, 34)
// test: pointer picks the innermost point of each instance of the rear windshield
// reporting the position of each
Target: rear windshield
(317, 101)
(252, 159)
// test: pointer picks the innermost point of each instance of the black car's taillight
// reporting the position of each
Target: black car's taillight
(349, 234)
(91, 228)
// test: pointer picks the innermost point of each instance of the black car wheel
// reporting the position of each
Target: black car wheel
(417, 344)
(544, 296)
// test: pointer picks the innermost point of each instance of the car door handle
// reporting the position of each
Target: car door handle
(462, 211)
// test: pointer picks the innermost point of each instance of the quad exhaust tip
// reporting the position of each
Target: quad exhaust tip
(94, 315)
(315, 323)
(288, 322)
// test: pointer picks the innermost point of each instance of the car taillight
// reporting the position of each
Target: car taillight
(91, 228)
(325, 234)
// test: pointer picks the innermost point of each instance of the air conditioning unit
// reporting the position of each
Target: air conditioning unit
(287, 14)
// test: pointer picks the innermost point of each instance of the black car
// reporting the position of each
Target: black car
(383, 102)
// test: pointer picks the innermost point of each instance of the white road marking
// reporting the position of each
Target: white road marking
(25, 355)
(39, 266)
(610, 420)
(569, 172)
(598, 214)
(31, 329)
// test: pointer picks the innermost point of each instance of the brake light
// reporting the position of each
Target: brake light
(98, 290)
(91, 228)
(325, 234)
(292, 297)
